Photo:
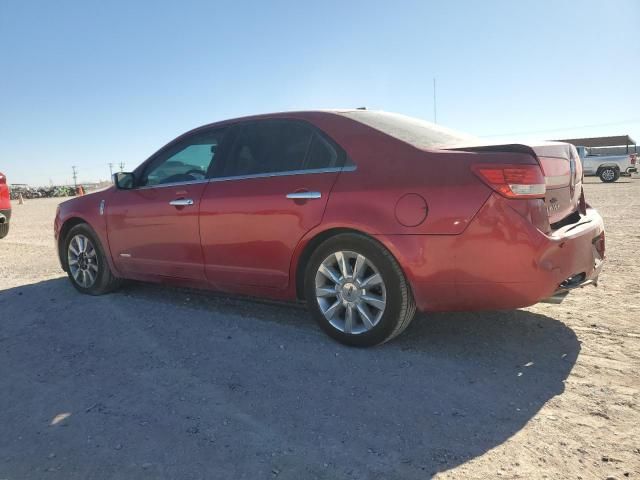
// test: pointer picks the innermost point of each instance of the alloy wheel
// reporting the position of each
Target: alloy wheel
(83, 261)
(608, 174)
(350, 292)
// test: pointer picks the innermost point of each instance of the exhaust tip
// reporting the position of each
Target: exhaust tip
(556, 298)
(574, 281)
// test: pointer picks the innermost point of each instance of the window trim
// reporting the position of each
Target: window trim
(287, 173)
(311, 171)
(173, 184)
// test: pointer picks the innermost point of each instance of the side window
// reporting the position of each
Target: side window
(268, 146)
(187, 161)
(321, 154)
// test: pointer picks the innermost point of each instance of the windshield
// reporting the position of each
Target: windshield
(419, 133)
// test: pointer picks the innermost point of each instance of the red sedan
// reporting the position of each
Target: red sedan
(365, 215)
(5, 206)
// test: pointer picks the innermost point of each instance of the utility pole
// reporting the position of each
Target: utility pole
(122, 166)
(75, 175)
(435, 110)
(110, 170)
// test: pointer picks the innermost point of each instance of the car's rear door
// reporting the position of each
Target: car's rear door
(271, 190)
(153, 228)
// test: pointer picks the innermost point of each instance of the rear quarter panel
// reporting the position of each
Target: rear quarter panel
(387, 169)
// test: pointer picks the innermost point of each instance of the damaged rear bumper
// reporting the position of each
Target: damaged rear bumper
(570, 284)
(591, 275)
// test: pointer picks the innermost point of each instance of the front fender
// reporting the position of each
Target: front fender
(84, 209)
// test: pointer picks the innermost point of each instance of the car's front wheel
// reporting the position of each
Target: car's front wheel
(357, 292)
(86, 263)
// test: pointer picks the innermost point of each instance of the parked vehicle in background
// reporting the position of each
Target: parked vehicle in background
(27, 192)
(5, 206)
(365, 215)
(608, 167)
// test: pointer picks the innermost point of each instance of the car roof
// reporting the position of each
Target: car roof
(283, 114)
(308, 115)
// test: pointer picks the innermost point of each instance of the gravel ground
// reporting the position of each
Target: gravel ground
(158, 383)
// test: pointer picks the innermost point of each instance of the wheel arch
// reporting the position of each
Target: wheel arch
(66, 227)
(312, 244)
(606, 165)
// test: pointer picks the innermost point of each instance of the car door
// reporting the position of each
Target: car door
(589, 164)
(271, 190)
(153, 228)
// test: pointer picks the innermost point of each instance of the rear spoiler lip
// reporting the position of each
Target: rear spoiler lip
(506, 148)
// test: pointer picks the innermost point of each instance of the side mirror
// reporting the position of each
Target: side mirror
(124, 180)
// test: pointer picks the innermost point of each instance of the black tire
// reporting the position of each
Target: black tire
(400, 306)
(4, 230)
(609, 174)
(105, 281)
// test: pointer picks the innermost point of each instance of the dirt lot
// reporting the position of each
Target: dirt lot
(153, 382)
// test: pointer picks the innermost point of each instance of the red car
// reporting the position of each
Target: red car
(365, 215)
(5, 206)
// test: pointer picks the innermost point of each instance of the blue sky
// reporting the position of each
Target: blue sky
(91, 82)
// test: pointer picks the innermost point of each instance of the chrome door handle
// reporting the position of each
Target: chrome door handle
(181, 202)
(304, 195)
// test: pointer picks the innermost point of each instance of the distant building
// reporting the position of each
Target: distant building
(614, 145)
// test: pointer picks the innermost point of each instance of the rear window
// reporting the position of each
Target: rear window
(419, 133)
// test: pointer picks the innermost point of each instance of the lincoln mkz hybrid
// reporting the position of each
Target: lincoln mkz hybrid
(364, 215)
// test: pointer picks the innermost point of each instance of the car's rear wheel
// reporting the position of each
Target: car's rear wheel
(609, 174)
(4, 229)
(357, 292)
(86, 263)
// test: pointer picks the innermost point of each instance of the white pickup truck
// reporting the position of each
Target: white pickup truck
(607, 167)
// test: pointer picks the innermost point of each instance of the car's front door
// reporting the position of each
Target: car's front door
(590, 165)
(153, 228)
(271, 190)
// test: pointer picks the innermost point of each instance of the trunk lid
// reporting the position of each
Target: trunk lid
(563, 177)
(560, 165)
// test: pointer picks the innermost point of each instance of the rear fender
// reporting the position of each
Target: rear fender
(608, 165)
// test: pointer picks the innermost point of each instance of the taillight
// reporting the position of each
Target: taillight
(582, 203)
(3, 179)
(598, 243)
(513, 181)
(633, 157)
